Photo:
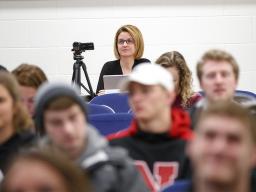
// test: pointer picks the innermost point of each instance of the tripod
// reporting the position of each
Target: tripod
(76, 77)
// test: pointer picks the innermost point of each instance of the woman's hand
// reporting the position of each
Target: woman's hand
(101, 92)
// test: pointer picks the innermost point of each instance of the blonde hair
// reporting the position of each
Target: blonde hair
(176, 59)
(137, 37)
(21, 118)
(217, 55)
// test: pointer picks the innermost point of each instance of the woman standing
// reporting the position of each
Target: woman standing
(128, 49)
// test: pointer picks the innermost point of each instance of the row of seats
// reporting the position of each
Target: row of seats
(117, 101)
(110, 123)
(241, 96)
(111, 113)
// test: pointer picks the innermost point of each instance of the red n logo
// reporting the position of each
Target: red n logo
(164, 174)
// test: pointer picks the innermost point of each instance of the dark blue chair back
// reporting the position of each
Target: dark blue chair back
(98, 109)
(246, 94)
(241, 94)
(117, 101)
(179, 186)
(110, 123)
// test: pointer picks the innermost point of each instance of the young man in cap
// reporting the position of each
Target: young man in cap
(223, 151)
(157, 136)
(61, 117)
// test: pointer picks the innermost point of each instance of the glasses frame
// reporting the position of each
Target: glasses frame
(127, 41)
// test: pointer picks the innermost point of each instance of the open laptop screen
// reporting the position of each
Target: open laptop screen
(113, 81)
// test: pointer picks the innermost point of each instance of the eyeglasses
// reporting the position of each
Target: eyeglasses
(127, 41)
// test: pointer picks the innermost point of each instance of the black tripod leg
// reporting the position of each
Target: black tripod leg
(76, 76)
(86, 89)
(92, 94)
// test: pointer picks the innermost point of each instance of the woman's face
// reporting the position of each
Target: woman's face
(33, 175)
(125, 45)
(6, 108)
(176, 78)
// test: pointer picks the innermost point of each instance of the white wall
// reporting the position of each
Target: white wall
(42, 32)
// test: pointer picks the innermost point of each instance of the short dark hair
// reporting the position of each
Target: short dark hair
(61, 103)
(230, 109)
(30, 75)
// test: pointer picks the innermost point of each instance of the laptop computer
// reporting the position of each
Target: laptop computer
(113, 81)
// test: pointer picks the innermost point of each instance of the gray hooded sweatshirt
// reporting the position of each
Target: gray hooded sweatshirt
(110, 169)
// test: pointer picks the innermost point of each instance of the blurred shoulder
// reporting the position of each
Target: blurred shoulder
(195, 97)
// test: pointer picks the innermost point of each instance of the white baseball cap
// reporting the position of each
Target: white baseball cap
(149, 74)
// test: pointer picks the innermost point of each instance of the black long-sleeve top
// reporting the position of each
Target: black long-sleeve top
(114, 68)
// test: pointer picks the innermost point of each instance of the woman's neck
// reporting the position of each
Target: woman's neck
(126, 64)
(6, 133)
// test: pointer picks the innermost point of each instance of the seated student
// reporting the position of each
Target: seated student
(61, 117)
(15, 123)
(128, 49)
(157, 136)
(30, 78)
(223, 150)
(40, 170)
(218, 74)
(175, 63)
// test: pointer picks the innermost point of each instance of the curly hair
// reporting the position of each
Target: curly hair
(176, 59)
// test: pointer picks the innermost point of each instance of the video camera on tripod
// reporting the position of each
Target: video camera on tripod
(78, 48)
(81, 47)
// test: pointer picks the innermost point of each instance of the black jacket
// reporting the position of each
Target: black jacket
(114, 68)
(10, 147)
(163, 155)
